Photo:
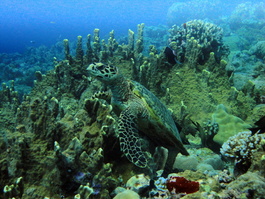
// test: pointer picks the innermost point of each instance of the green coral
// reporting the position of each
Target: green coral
(229, 125)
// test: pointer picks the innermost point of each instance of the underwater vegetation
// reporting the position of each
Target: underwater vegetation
(68, 139)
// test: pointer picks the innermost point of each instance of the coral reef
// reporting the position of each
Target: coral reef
(259, 50)
(21, 68)
(172, 186)
(63, 142)
(248, 185)
(155, 36)
(34, 115)
(247, 21)
(247, 70)
(195, 40)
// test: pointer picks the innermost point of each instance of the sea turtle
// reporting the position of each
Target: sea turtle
(139, 110)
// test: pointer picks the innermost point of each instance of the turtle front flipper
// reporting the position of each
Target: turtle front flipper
(130, 141)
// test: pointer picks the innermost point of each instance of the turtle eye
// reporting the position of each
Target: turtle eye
(101, 67)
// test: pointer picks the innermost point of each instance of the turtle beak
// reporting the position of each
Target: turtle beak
(91, 67)
(91, 71)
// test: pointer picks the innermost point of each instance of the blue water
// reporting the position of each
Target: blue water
(25, 23)
(34, 22)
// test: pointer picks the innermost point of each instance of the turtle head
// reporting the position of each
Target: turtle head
(103, 72)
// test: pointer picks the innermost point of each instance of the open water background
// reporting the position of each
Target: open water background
(25, 23)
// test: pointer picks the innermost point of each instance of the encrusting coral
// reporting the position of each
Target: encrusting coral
(229, 125)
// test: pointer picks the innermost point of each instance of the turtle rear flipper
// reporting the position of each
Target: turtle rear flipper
(130, 141)
(172, 154)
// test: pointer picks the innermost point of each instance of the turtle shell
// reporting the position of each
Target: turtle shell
(158, 125)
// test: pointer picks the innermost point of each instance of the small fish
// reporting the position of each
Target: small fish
(260, 126)
(33, 42)
(171, 58)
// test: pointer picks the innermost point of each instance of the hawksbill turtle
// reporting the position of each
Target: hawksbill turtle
(139, 111)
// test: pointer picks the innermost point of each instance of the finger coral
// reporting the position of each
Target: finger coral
(241, 148)
(195, 40)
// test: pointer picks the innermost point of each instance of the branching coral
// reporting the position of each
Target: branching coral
(195, 40)
(241, 148)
